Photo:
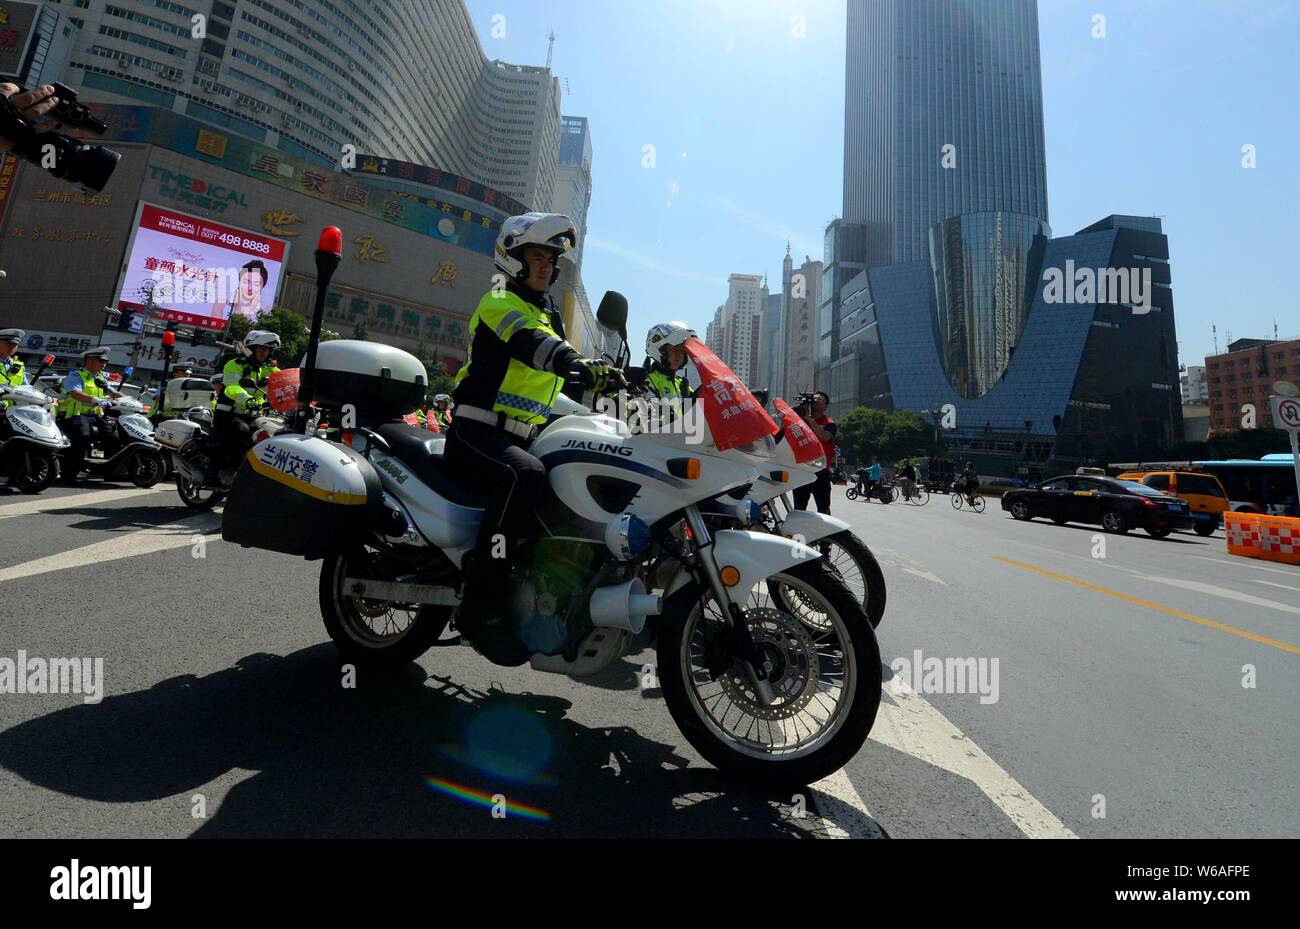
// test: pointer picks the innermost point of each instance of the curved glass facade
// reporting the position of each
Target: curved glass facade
(985, 268)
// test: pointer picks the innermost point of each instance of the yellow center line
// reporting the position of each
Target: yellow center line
(1231, 630)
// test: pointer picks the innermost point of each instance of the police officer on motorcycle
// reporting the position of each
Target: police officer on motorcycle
(86, 395)
(12, 371)
(517, 363)
(243, 392)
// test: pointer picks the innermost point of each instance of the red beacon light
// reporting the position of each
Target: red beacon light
(48, 360)
(331, 240)
(169, 339)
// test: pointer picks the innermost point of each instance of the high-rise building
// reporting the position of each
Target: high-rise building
(803, 297)
(35, 42)
(572, 195)
(742, 321)
(1093, 376)
(393, 79)
(943, 117)
(771, 353)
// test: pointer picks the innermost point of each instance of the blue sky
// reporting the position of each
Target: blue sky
(747, 124)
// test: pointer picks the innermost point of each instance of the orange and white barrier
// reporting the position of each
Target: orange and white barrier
(1271, 538)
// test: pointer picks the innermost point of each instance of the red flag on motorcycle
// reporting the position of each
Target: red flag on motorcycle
(806, 446)
(411, 419)
(734, 415)
(282, 390)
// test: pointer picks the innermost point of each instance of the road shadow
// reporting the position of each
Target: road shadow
(402, 755)
(127, 518)
(1177, 537)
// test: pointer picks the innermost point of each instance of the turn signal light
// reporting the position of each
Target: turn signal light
(687, 468)
(781, 477)
(730, 575)
(346, 437)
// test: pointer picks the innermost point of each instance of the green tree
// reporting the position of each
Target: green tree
(862, 433)
(440, 382)
(906, 435)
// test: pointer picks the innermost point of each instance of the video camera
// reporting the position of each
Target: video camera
(73, 161)
(803, 404)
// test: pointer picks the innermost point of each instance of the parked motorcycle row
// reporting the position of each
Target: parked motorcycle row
(33, 447)
(763, 615)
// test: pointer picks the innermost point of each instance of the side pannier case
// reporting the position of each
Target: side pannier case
(303, 496)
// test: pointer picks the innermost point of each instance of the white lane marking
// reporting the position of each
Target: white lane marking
(1223, 592)
(143, 542)
(71, 501)
(1244, 562)
(1271, 584)
(913, 726)
(853, 820)
(896, 559)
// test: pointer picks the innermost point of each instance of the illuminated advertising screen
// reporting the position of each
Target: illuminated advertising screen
(197, 272)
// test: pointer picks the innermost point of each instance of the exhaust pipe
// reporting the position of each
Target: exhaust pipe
(624, 606)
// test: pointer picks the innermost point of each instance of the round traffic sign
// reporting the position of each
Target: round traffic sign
(1288, 412)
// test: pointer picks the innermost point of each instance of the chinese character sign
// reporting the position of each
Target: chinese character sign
(734, 415)
(806, 446)
(282, 390)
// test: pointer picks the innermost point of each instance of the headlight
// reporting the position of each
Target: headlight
(761, 448)
(627, 537)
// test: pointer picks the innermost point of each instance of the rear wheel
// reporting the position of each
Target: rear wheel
(825, 683)
(375, 633)
(195, 495)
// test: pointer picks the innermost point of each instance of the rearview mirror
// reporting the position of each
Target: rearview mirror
(248, 383)
(612, 313)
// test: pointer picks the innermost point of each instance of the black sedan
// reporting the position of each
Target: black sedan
(1117, 506)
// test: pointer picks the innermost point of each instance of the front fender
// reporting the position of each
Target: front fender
(809, 527)
(756, 555)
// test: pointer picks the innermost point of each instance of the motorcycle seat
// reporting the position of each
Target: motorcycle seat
(421, 451)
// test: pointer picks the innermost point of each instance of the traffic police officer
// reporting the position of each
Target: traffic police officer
(12, 371)
(517, 363)
(81, 409)
(243, 391)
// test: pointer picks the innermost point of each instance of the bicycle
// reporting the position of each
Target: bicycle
(918, 496)
(960, 497)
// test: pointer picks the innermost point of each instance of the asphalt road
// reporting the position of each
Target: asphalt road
(1145, 689)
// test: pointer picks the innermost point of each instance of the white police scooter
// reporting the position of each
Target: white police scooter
(29, 439)
(126, 448)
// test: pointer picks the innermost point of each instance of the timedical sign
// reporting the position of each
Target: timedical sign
(186, 269)
(195, 191)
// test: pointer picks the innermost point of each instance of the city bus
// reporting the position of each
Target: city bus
(1266, 486)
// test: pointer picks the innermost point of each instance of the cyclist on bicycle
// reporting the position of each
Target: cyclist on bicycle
(907, 477)
(969, 482)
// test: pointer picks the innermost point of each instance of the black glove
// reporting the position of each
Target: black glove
(597, 375)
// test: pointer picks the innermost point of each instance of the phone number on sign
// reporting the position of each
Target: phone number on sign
(250, 244)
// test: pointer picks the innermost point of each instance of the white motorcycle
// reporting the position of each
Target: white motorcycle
(201, 480)
(125, 446)
(29, 439)
(755, 688)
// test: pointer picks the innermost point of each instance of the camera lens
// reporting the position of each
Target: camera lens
(91, 166)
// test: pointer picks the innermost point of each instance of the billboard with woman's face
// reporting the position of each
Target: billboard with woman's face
(197, 272)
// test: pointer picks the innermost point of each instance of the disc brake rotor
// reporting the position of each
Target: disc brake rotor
(790, 660)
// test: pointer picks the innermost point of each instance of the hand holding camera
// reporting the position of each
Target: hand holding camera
(27, 122)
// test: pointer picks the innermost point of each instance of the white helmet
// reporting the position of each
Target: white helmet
(546, 230)
(664, 334)
(442, 398)
(260, 337)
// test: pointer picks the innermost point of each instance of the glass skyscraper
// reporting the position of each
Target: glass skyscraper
(922, 75)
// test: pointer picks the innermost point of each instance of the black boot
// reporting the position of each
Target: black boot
(484, 617)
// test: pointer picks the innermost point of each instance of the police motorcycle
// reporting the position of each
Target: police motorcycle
(196, 456)
(758, 692)
(125, 447)
(768, 505)
(29, 439)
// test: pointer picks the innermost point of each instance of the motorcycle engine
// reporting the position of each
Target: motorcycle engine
(548, 579)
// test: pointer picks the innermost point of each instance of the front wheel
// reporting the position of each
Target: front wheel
(1020, 511)
(374, 633)
(147, 469)
(39, 473)
(850, 560)
(852, 493)
(825, 682)
(956, 501)
(920, 497)
(1115, 522)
